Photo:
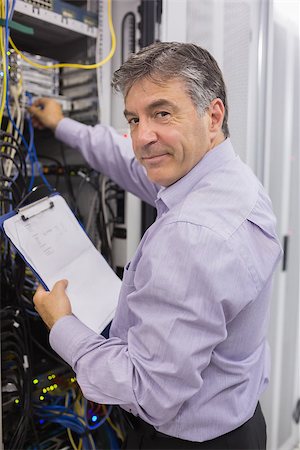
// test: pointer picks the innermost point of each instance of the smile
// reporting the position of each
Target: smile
(155, 159)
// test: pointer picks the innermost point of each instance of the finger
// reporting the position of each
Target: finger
(40, 102)
(34, 109)
(34, 121)
(40, 291)
(60, 286)
(37, 124)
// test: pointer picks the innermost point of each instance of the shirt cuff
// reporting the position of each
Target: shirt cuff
(67, 335)
(66, 131)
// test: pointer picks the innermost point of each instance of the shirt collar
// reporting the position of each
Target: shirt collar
(172, 195)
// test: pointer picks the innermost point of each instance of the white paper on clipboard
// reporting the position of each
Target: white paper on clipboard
(53, 243)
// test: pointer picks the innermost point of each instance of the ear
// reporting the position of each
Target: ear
(216, 113)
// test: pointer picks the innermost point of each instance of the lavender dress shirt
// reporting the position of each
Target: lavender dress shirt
(187, 350)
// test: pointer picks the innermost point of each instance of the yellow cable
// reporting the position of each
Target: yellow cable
(68, 429)
(77, 66)
(92, 441)
(3, 92)
(72, 440)
(4, 84)
(117, 430)
(114, 427)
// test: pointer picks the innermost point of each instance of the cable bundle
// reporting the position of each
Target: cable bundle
(13, 172)
(82, 420)
(16, 354)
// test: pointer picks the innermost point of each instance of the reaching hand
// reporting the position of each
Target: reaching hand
(46, 113)
(52, 305)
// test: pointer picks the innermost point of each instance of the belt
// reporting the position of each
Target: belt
(140, 426)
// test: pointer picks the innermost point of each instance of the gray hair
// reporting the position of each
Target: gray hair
(164, 61)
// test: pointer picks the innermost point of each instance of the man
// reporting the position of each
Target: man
(187, 357)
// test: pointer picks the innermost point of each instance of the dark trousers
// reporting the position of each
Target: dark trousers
(249, 436)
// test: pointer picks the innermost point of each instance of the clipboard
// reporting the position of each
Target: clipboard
(54, 246)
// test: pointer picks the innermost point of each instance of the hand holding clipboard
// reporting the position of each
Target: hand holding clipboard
(53, 244)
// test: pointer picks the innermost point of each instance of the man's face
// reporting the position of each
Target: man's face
(168, 135)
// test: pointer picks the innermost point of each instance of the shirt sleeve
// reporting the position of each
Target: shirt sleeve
(187, 284)
(109, 153)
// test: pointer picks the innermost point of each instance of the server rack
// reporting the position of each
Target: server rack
(36, 383)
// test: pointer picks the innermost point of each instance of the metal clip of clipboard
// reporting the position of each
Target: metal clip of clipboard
(37, 208)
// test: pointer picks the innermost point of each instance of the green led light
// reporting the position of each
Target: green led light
(42, 397)
(17, 401)
(35, 381)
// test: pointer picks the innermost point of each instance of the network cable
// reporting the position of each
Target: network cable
(75, 65)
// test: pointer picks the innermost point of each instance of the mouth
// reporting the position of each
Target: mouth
(154, 159)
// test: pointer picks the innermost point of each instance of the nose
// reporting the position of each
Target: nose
(145, 133)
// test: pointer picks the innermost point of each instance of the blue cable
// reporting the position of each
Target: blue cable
(31, 150)
(67, 418)
(85, 443)
(51, 409)
(31, 157)
(102, 421)
(113, 441)
(31, 313)
(12, 9)
(7, 77)
(66, 422)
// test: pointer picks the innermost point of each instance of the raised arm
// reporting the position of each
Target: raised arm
(101, 146)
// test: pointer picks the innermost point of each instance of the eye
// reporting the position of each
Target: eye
(162, 114)
(133, 121)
